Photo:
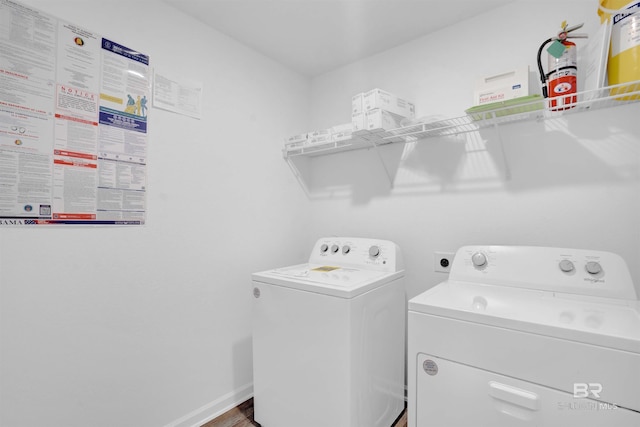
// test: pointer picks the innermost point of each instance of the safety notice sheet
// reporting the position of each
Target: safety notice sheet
(73, 123)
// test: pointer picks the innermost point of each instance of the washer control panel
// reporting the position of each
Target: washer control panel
(575, 271)
(375, 254)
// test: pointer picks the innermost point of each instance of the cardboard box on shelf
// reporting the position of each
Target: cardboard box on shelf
(502, 87)
(296, 140)
(378, 120)
(321, 136)
(380, 99)
(344, 127)
(342, 132)
(341, 136)
(358, 123)
(292, 149)
(356, 103)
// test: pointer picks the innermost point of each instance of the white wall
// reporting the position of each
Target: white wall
(150, 326)
(143, 326)
(572, 182)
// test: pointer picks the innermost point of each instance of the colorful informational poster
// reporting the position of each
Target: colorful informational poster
(122, 140)
(73, 123)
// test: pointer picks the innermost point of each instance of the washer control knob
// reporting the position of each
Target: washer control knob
(346, 249)
(566, 266)
(324, 248)
(479, 259)
(335, 249)
(593, 267)
(374, 251)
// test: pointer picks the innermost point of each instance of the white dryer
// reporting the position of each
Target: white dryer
(328, 337)
(522, 336)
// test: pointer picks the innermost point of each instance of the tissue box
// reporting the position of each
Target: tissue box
(380, 99)
(502, 87)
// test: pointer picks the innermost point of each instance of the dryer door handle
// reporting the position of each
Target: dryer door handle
(516, 396)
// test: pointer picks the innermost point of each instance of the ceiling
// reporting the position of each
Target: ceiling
(313, 37)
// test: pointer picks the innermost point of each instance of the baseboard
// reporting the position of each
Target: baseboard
(214, 409)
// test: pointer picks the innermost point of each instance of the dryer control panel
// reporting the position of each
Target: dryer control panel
(356, 252)
(573, 271)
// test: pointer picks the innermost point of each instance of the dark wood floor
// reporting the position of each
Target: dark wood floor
(242, 416)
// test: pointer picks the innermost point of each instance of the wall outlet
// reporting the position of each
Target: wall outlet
(442, 261)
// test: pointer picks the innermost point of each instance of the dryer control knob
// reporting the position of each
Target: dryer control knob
(324, 248)
(566, 266)
(479, 259)
(593, 267)
(335, 249)
(374, 251)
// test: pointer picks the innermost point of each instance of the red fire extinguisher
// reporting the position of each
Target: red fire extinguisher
(560, 83)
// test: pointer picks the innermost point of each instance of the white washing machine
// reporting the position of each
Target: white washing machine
(521, 336)
(328, 337)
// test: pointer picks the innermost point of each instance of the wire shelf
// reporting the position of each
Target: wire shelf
(538, 109)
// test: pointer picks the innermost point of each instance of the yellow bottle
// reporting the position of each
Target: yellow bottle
(624, 54)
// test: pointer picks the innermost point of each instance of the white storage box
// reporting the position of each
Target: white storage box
(380, 99)
(319, 136)
(342, 132)
(502, 87)
(356, 103)
(296, 140)
(345, 127)
(341, 136)
(295, 148)
(358, 122)
(380, 120)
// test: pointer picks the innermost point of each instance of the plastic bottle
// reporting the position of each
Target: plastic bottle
(624, 55)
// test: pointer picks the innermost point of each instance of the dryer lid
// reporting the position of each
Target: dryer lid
(606, 322)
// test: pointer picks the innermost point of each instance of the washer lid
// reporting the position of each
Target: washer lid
(606, 322)
(343, 282)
